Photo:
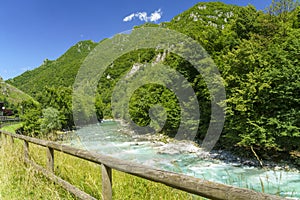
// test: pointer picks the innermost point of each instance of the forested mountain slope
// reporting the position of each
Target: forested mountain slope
(60, 72)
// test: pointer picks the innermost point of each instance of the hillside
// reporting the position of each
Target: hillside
(60, 72)
(11, 94)
(205, 22)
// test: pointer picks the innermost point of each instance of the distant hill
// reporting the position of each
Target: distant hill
(60, 72)
(11, 96)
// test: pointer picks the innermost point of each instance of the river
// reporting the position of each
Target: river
(184, 157)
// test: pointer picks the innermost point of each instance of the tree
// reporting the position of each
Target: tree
(59, 98)
(50, 121)
(245, 22)
(31, 115)
(263, 95)
(282, 8)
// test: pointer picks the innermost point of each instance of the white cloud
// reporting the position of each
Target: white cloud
(156, 15)
(128, 18)
(143, 16)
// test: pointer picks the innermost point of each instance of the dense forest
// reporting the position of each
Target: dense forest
(256, 52)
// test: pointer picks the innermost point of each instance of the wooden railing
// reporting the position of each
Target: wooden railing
(185, 183)
(9, 119)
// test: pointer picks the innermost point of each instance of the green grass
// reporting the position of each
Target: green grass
(11, 128)
(21, 181)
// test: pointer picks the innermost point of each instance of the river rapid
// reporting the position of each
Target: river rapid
(184, 157)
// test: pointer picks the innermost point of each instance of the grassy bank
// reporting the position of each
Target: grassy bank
(11, 128)
(21, 181)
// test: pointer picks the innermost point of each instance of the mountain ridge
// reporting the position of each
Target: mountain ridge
(59, 73)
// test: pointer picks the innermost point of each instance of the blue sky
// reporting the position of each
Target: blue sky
(33, 30)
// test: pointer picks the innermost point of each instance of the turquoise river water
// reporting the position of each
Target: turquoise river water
(106, 138)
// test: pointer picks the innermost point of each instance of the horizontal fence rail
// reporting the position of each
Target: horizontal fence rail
(182, 182)
(8, 119)
(4, 120)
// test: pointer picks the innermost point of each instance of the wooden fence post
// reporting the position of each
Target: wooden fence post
(1, 137)
(50, 159)
(26, 150)
(12, 140)
(5, 139)
(106, 183)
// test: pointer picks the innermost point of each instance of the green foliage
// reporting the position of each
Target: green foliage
(144, 102)
(31, 114)
(263, 98)
(50, 121)
(245, 23)
(114, 73)
(258, 56)
(205, 22)
(59, 98)
(82, 109)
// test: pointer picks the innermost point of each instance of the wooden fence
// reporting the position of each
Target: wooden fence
(9, 119)
(185, 183)
(4, 120)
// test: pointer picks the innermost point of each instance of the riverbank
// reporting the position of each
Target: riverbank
(172, 146)
(186, 157)
(234, 158)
